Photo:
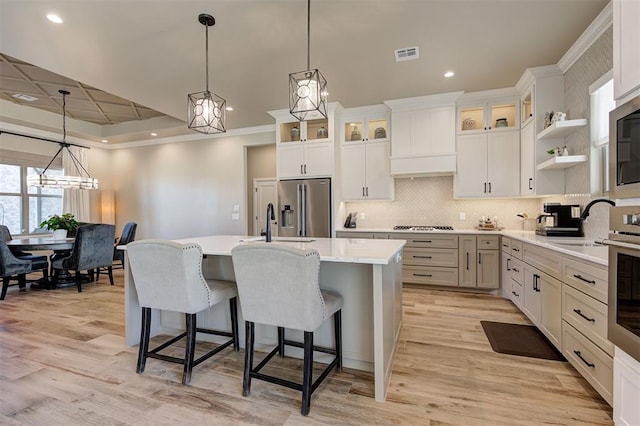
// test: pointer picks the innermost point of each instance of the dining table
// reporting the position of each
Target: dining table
(58, 246)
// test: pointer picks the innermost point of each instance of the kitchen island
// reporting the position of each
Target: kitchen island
(367, 273)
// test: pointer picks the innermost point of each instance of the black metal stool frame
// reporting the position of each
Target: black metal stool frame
(308, 386)
(190, 334)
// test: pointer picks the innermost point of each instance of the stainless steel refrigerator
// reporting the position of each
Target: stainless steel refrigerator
(304, 208)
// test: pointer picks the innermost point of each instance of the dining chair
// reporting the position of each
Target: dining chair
(39, 262)
(168, 276)
(279, 286)
(11, 266)
(92, 249)
(128, 235)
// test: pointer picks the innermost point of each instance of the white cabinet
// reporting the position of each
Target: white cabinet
(365, 151)
(479, 261)
(531, 306)
(423, 135)
(497, 114)
(487, 165)
(467, 261)
(626, 47)
(551, 308)
(304, 148)
(365, 172)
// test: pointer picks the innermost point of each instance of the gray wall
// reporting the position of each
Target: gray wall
(261, 163)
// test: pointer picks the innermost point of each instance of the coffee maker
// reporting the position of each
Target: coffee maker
(560, 221)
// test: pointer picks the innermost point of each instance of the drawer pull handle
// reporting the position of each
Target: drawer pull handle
(579, 312)
(422, 257)
(505, 245)
(508, 267)
(588, 364)
(422, 275)
(515, 294)
(422, 241)
(515, 249)
(580, 277)
(515, 269)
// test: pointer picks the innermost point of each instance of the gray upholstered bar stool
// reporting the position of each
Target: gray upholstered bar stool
(168, 276)
(279, 286)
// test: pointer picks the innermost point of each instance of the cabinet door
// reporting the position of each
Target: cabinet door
(378, 181)
(290, 160)
(527, 159)
(626, 39)
(503, 175)
(551, 313)
(467, 260)
(440, 137)
(353, 171)
(488, 269)
(401, 133)
(318, 159)
(471, 174)
(531, 305)
(505, 274)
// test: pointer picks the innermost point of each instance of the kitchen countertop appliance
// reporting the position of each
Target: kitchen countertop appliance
(560, 221)
(304, 208)
(624, 279)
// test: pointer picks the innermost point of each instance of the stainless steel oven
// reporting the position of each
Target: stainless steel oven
(624, 279)
(624, 150)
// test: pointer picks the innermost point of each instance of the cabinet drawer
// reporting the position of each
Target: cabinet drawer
(506, 245)
(431, 257)
(517, 293)
(489, 242)
(587, 315)
(427, 240)
(516, 249)
(588, 278)
(517, 270)
(543, 259)
(434, 275)
(367, 235)
(594, 364)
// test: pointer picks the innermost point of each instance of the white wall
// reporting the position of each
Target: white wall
(184, 189)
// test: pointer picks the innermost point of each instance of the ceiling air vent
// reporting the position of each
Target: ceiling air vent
(24, 97)
(407, 54)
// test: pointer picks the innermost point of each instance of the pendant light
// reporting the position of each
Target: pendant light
(82, 181)
(206, 111)
(308, 89)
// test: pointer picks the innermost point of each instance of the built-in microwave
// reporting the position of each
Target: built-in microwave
(624, 150)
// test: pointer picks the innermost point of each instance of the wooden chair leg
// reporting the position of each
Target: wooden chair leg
(54, 279)
(110, 272)
(5, 286)
(45, 278)
(78, 281)
(190, 348)
(248, 358)
(307, 378)
(22, 281)
(281, 341)
(98, 273)
(145, 330)
(233, 308)
(337, 330)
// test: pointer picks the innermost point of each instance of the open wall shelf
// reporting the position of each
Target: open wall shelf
(562, 162)
(561, 129)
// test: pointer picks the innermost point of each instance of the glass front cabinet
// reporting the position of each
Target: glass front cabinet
(482, 117)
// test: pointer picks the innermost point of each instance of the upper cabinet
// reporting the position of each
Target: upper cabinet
(626, 47)
(527, 103)
(496, 115)
(423, 135)
(305, 149)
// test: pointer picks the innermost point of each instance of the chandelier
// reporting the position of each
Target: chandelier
(308, 89)
(206, 111)
(82, 181)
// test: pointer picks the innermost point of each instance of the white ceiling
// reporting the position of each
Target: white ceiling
(152, 52)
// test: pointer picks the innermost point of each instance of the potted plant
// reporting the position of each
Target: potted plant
(60, 225)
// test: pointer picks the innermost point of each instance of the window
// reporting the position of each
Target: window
(602, 102)
(23, 208)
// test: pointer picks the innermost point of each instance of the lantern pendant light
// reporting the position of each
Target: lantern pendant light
(206, 111)
(308, 89)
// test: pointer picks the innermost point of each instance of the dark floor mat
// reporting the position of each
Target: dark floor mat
(519, 339)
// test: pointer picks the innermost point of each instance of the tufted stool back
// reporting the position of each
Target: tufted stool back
(168, 276)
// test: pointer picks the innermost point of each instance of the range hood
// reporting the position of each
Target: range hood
(426, 165)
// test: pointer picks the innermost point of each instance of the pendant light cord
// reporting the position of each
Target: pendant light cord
(206, 55)
(64, 118)
(308, 34)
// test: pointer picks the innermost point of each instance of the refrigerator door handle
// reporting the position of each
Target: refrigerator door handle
(304, 210)
(299, 208)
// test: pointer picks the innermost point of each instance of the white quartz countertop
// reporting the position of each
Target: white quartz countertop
(578, 247)
(350, 250)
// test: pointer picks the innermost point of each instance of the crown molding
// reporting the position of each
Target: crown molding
(593, 32)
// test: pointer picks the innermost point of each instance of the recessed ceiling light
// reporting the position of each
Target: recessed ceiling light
(229, 108)
(24, 97)
(104, 141)
(54, 18)
(154, 134)
(449, 74)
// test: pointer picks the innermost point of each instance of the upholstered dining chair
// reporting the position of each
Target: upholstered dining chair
(128, 235)
(38, 262)
(278, 285)
(92, 249)
(11, 266)
(168, 276)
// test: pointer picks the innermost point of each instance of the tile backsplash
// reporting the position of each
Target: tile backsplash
(429, 201)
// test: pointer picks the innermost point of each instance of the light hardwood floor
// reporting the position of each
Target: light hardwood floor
(63, 361)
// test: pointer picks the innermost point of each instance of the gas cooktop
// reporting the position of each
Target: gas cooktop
(422, 228)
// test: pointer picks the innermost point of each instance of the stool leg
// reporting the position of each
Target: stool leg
(337, 331)
(5, 286)
(281, 341)
(233, 308)
(110, 273)
(78, 281)
(45, 278)
(248, 358)
(144, 339)
(190, 348)
(307, 372)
